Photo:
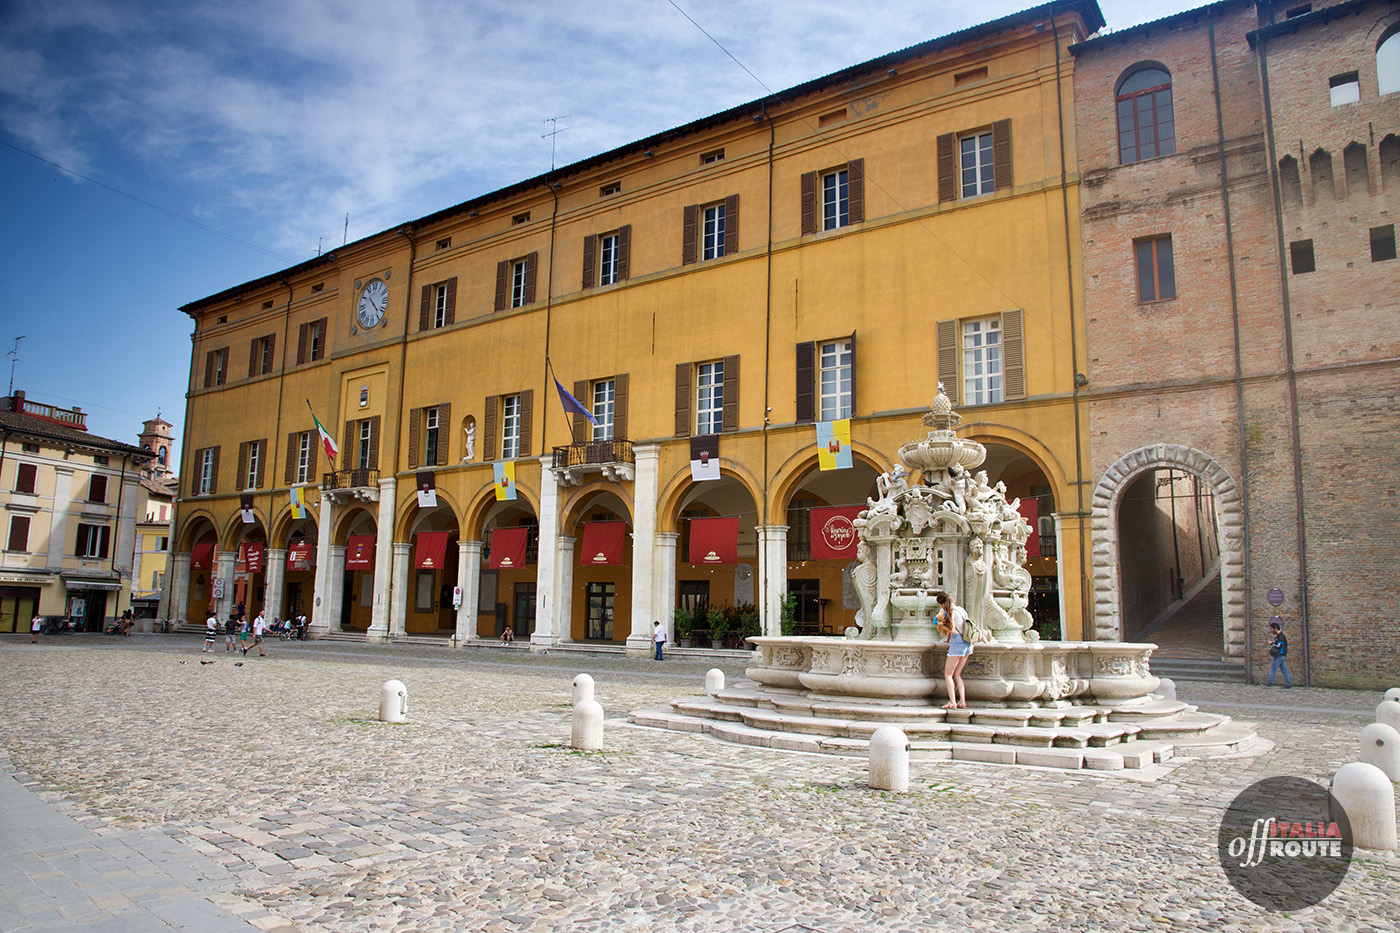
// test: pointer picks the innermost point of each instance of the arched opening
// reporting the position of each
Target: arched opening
(1146, 125)
(250, 570)
(1388, 62)
(510, 556)
(201, 543)
(717, 560)
(600, 567)
(1320, 166)
(1390, 163)
(357, 535)
(1358, 177)
(432, 574)
(298, 596)
(1290, 182)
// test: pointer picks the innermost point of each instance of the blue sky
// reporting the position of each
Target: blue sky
(241, 132)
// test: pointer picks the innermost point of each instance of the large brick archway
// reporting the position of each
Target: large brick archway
(1229, 504)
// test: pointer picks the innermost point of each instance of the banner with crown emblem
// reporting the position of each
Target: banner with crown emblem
(834, 444)
(505, 480)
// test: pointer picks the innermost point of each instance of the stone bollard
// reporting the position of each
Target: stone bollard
(393, 702)
(1368, 798)
(583, 689)
(1380, 746)
(588, 726)
(1166, 688)
(714, 681)
(1388, 712)
(1393, 694)
(889, 759)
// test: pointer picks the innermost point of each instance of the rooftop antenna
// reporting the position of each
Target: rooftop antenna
(346, 238)
(553, 134)
(14, 358)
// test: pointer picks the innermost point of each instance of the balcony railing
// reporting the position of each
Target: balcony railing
(594, 452)
(350, 479)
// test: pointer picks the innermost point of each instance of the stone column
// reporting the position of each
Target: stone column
(469, 576)
(645, 490)
(772, 576)
(664, 585)
(564, 596)
(383, 562)
(223, 567)
(335, 589)
(398, 609)
(276, 564)
(175, 601)
(320, 619)
(545, 635)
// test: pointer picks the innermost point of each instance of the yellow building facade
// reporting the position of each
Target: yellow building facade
(718, 291)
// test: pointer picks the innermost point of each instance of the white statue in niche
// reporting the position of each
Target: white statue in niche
(469, 441)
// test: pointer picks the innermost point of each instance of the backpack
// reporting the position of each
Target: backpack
(973, 633)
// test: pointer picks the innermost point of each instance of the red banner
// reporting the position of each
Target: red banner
(299, 555)
(432, 550)
(1030, 511)
(508, 548)
(833, 532)
(202, 557)
(714, 541)
(359, 552)
(253, 556)
(603, 543)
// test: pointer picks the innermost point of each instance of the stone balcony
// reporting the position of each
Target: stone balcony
(351, 485)
(575, 464)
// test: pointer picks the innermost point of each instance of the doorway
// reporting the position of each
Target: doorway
(524, 609)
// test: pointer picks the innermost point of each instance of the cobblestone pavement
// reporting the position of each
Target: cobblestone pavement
(270, 791)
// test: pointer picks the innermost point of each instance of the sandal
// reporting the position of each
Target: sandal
(950, 706)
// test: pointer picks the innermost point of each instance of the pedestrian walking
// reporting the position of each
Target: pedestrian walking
(211, 632)
(658, 638)
(259, 627)
(35, 624)
(1278, 650)
(231, 630)
(952, 619)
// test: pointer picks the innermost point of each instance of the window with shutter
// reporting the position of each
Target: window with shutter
(620, 406)
(19, 534)
(712, 238)
(502, 284)
(806, 382)
(604, 397)
(289, 473)
(488, 428)
(444, 444)
(1013, 346)
(590, 249)
(301, 342)
(690, 224)
(373, 443)
(683, 371)
(947, 168)
(415, 417)
(97, 488)
(532, 263)
(581, 424)
(731, 225)
(26, 474)
(947, 332)
(731, 393)
(624, 253)
(809, 202)
(527, 399)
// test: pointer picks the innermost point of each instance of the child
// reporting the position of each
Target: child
(211, 632)
(1278, 650)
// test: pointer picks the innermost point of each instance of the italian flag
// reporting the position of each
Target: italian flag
(326, 441)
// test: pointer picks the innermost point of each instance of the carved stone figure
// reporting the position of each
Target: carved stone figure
(469, 441)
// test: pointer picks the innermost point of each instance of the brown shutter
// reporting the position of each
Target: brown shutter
(373, 443)
(948, 358)
(488, 429)
(325, 336)
(809, 202)
(620, 406)
(271, 350)
(527, 399)
(415, 419)
(1013, 355)
(624, 252)
(425, 309)
(313, 462)
(683, 400)
(240, 477)
(580, 422)
(532, 262)
(445, 431)
(214, 473)
(451, 316)
(253, 358)
(590, 249)
(290, 476)
(19, 534)
(502, 284)
(731, 225)
(301, 342)
(689, 222)
(806, 382)
(209, 368)
(947, 169)
(347, 455)
(731, 393)
(854, 373)
(263, 471)
(1001, 155)
(855, 190)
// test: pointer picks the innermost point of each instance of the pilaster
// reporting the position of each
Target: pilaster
(383, 569)
(398, 608)
(276, 577)
(772, 576)
(319, 618)
(469, 577)
(644, 499)
(546, 586)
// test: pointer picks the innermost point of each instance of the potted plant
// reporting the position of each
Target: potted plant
(749, 626)
(718, 628)
(685, 622)
(788, 614)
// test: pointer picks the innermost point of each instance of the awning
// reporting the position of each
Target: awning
(834, 532)
(508, 548)
(202, 556)
(90, 583)
(431, 550)
(714, 540)
(1030, 511)
(359, 552)
(603, 544)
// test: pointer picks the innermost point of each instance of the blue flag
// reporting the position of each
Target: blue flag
(573, 404)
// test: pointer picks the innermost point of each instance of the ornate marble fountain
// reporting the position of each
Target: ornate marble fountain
(1065, 704)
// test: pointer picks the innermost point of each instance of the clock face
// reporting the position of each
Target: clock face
(373, 302)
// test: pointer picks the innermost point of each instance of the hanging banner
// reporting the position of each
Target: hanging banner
(253, 557)
(834, 532)
(431, 550)
(509, 547)
(202, 557)
(1030, 511)
(704, 457)
(714, 541)
(359, 552)
(834, 444)
(298, 495)
(299, 555)
(603, 544)
(505, 480)
(427, 490)
(245, 508)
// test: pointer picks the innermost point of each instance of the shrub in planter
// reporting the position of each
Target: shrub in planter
(718, 626)
(685, 623)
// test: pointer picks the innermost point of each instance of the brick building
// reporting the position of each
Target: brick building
(1240, 170)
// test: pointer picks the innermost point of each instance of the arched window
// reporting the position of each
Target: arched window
(1146, 128)
(1289, 181)
(1388, 62)
(161, 456)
